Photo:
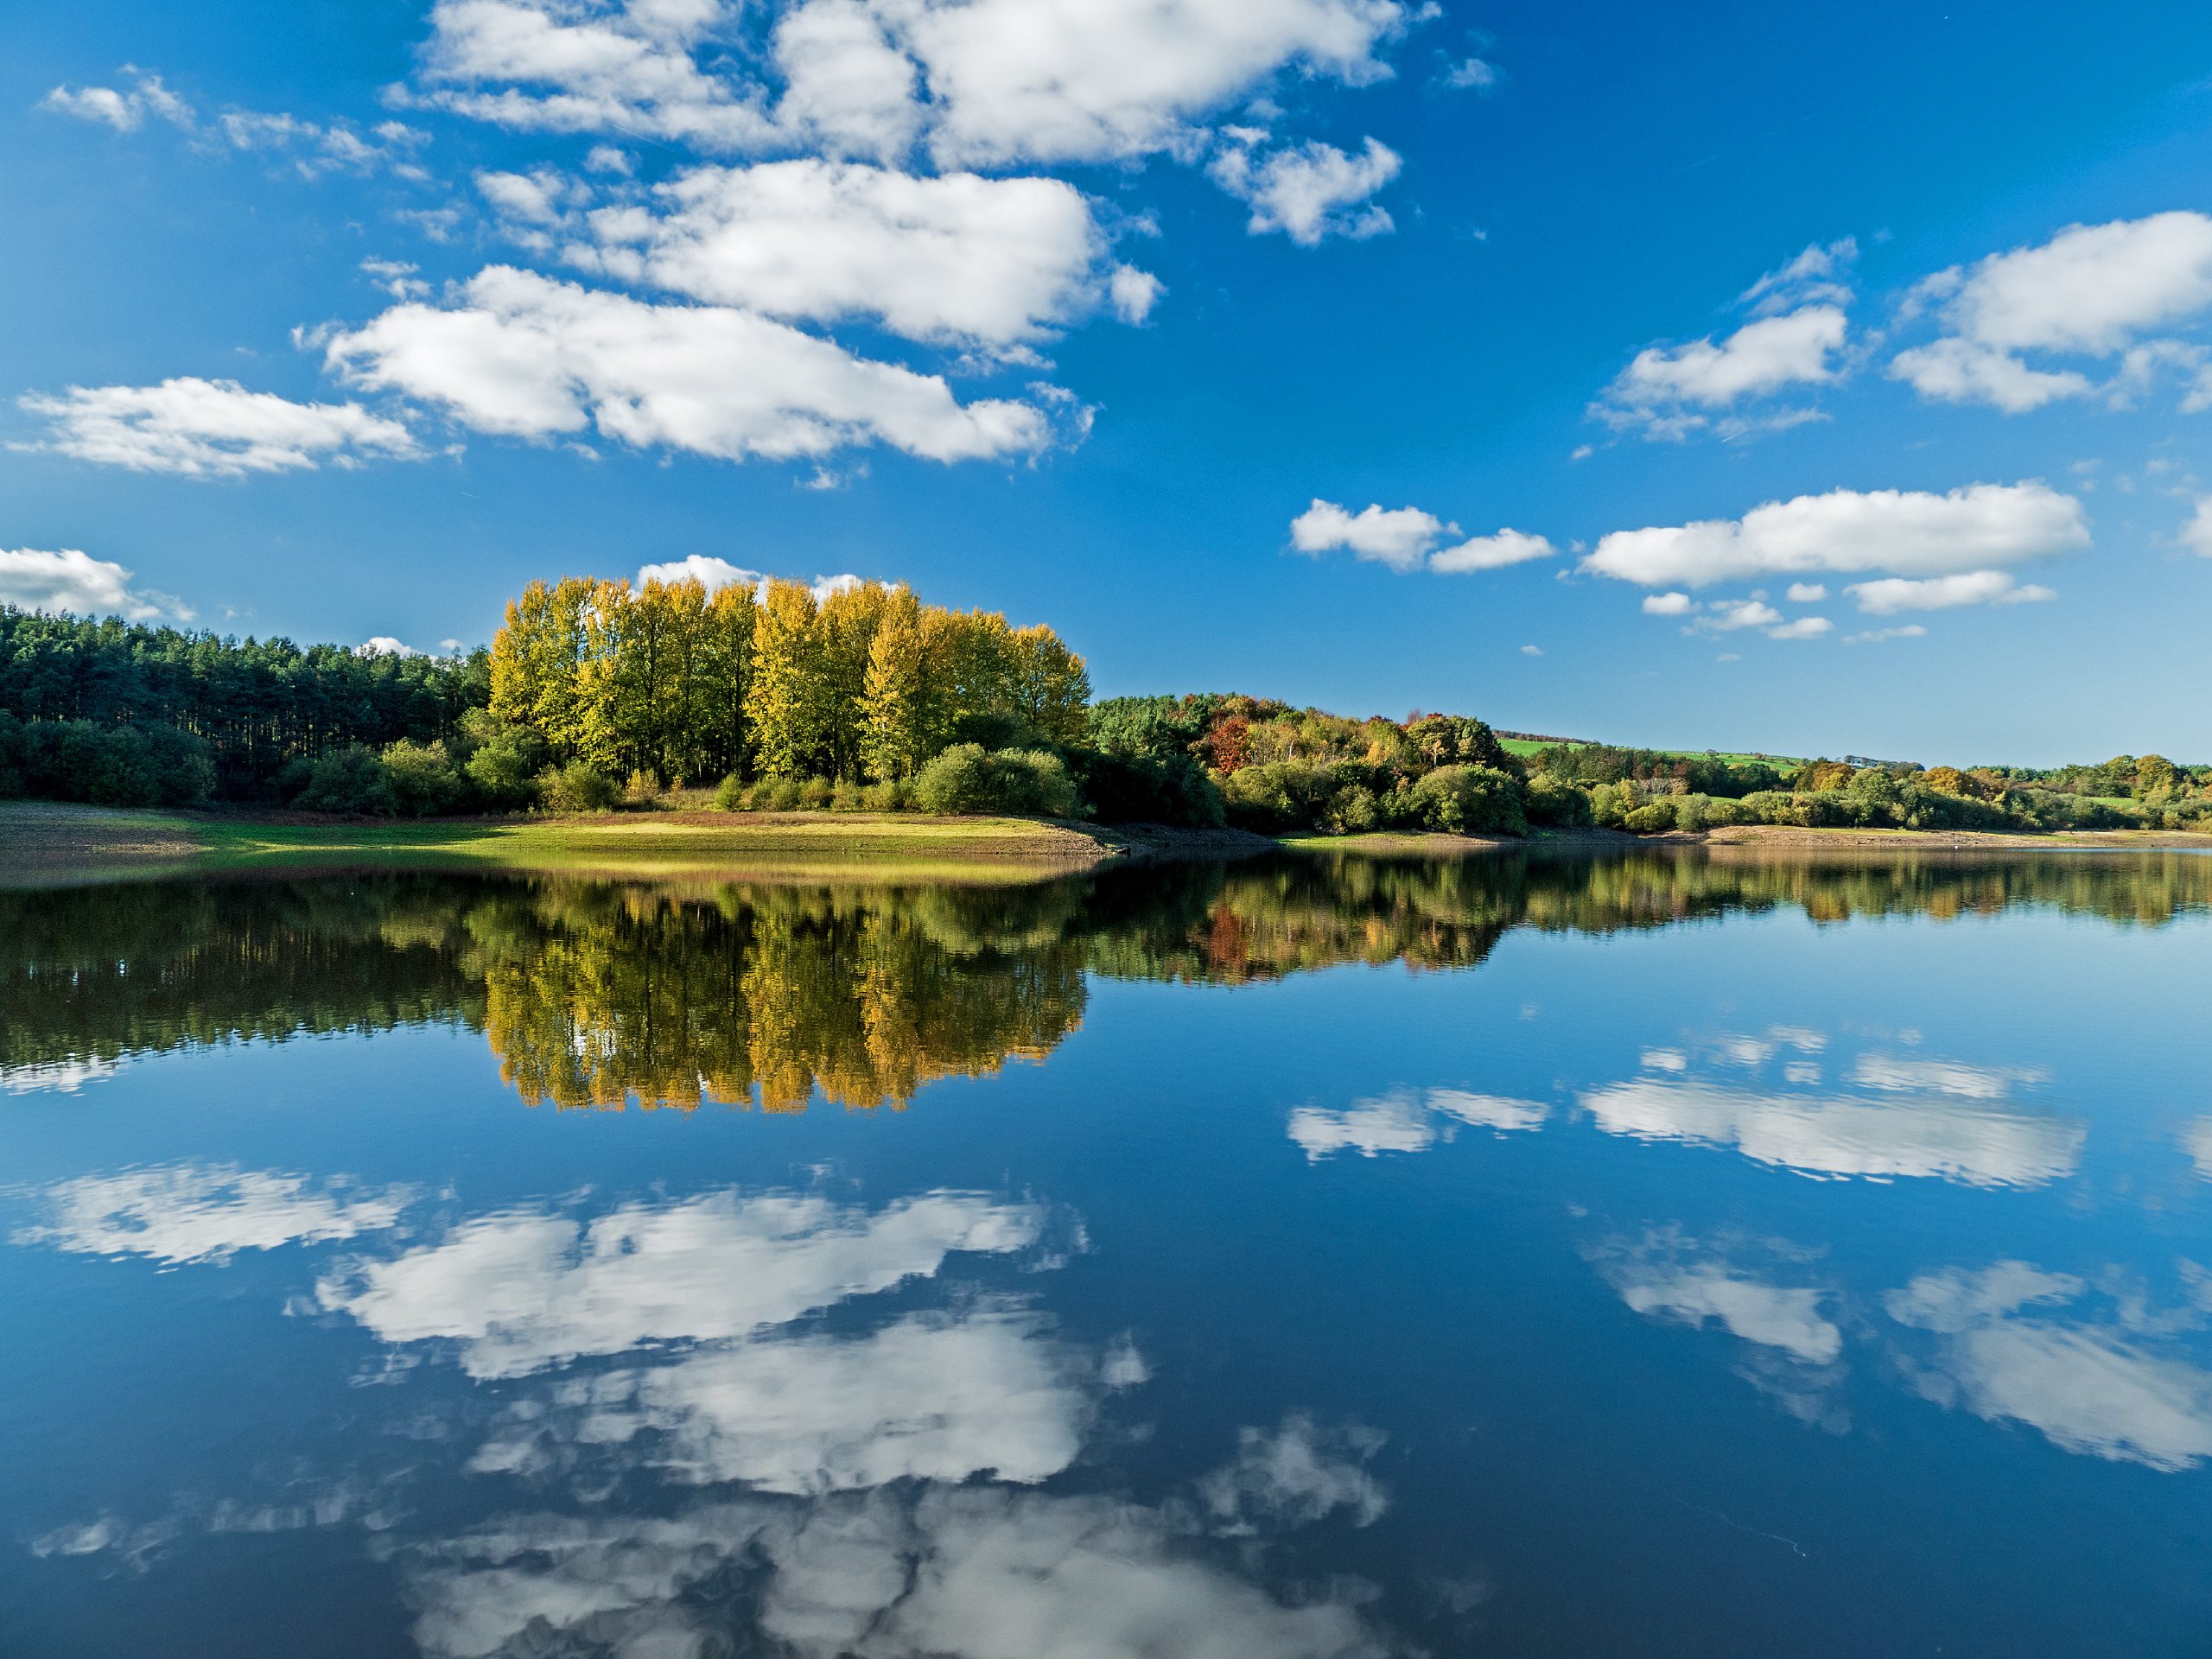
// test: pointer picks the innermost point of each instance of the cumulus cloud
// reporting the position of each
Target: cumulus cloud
(980, 82)
(1787, 1317)
(927, 1397)
(588, 66)
(1508, 547)
(1911, 532)
(2093, 291)
(1473, 72)
(521, 354)
(1875, 636)
(126, 111)
(206, 1212)
(1296, 1475)
(2088, 1386)
(1930, 1137)
(529, 1289)
(1098, 79)
(1403, 1120)
(1398, 537)
(1795, 339)
(1803, 627)
(956, 257)
(1406, 538)
(985, 1572)
(212, 428)
(1894, 593)
(1309, 192)
(1668, 605)
(2197, 534)
(713, 573)
(67, 581)
(846, 85)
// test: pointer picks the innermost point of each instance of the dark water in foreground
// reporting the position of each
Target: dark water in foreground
(1645, 1256)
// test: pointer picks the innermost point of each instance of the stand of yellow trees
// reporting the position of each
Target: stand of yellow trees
(690, 685)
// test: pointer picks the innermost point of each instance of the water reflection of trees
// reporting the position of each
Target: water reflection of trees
(596, 993)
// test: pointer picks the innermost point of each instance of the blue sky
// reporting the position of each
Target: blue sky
(342, 320)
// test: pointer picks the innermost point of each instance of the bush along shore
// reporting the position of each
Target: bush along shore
(596, 695)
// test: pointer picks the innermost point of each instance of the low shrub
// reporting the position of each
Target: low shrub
(576, 787)
(967, 780)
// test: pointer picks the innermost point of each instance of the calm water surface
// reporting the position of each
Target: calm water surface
(1646, 1256)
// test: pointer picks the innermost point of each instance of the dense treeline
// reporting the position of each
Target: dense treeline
(126, 715)
(595, 993)
(597, 693)
(1281, 769)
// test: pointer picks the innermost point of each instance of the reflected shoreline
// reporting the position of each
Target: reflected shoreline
(604, 995)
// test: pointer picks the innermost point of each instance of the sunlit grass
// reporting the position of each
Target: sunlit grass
(50, 845)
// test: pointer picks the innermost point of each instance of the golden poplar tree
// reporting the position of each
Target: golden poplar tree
(895, 714)
(786, 704)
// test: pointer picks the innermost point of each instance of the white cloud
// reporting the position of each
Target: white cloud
(983, 1572)
(212, 428)
(927, 1397)
(2091, 290)
(1875, 636)
(1960, 372)
(1399, 536)
(526, 356)
(1406, 538)
(983, 82)
(1894, 593)
(1728, 615)
(2088, 1386)
(1404, 1120)
(68, 581)
(713, 573)
(1763, 357)
(2197, 1142)
(396, 277)
(589, 65)
(1896, 1073)
(1807, 592)
(1668, 605)
(1795, 339)
(955, 258)
(1310, 191)
(206, 1212)
(1910, 531)
(1473, 72)
(2197, 534)
(529, 1289)
(1097, 80)
(126, 111)
(1133, 293)
(1297, 1474)
(1788, 1318)
(53, 1076)
(1932, 1137)
(1495, 552)
(1804, 627)
(846, 85)
(317, 148)
(535, 198)
(383, 644)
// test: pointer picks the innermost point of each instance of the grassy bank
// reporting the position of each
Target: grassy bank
(46, 845)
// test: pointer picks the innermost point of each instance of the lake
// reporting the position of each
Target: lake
(1670, 1254)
